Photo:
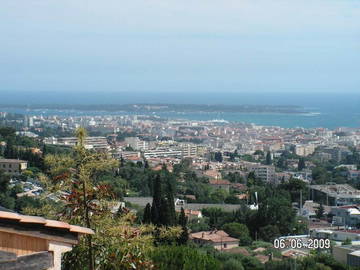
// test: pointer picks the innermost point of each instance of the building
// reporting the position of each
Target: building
(346, 216)
(220, 240)
(192, 214)
(264, 172)
(13, 166)
(336, 235)
(310, 207)
(335, 195)
(353, 174)
(220, 184)
(348, 254)
(30, 242)
(95, 143)
(304, 150)
(137, 144)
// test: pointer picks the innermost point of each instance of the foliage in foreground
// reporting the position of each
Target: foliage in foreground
(183, 258)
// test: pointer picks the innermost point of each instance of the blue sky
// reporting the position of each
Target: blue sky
(168, 45)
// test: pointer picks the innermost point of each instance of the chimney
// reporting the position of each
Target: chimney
(202, 235)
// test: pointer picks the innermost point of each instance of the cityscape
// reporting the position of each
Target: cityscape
(179, 135)
(221, 175)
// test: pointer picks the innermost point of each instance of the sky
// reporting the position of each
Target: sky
(180, 46)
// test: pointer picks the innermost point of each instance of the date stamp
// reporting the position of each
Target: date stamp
(301, 243)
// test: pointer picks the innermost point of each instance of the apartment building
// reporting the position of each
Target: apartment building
(264, 172)
(95, 143)
(137, 144)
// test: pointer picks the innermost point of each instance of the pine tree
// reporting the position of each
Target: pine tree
(164, 213)
(184, 236)
(147, 214)
(170, 202)
(154, 215)
(182, 218)
(268, 158)
(157, 193)
(301, 164)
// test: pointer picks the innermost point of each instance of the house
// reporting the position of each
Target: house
(36, 243)
(13, 166)
(346, 215)
(310, 207)
(347, 254)
(213, 174)
(220, 240)
(220, 184)
(192, 214)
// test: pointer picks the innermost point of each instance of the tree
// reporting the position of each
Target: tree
(6, 200)
(163, 206)
(259, 153)
(116, 244)
(239, 231)
(87, 200)
(269, 232)
(281, 163)
(184, 230)
(268, 160)
(156, 204)
(233, 264)
(218, 157)
(347, 241)
(147, 214)
(301, 164)
(320, 211)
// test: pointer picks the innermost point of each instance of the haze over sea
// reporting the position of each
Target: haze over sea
(328, 110)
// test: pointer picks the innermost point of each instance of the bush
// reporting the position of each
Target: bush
(233, 264)
(182, 258)
(239, 231)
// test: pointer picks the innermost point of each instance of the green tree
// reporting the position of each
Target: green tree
(147, 214)
(239, 231)
(116, 244)
(218, 157)
(184, 230)
(269, 232)
(346, 242)
(301, 164)
(320, 211)
(233, 264)
(268, 160)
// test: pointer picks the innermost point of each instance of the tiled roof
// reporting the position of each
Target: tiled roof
(214, 236)
(46, 222)
(219, 182)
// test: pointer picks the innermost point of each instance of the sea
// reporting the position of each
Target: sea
(327, 110)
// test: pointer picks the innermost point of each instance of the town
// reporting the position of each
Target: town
(241, 188)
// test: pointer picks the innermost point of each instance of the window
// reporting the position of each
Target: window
(225, 245)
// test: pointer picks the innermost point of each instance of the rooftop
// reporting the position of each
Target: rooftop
(12, 160)
(4, 215)
(214, 236)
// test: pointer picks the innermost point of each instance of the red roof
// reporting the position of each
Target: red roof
(219, 182)
(214, 236)
(45, 222)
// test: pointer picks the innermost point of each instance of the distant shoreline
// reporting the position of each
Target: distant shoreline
(153, 107)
